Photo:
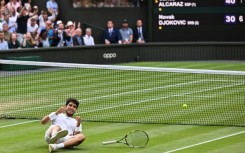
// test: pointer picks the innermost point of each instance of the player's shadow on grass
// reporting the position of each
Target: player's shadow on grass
(44, 147)
(73, 149)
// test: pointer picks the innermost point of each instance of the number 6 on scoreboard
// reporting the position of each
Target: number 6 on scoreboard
(240, 18)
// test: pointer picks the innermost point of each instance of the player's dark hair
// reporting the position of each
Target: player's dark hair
(73, 100)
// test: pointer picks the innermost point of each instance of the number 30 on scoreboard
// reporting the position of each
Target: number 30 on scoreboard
(230, 19)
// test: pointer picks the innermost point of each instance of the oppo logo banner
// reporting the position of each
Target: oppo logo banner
(109, 55)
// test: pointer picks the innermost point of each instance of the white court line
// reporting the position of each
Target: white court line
(197, 144)
(183, 94)
(135, 91)
(112, 95)
(18, 124)
(158, 98)
(147, 89)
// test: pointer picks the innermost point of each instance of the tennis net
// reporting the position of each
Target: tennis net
(124, 93)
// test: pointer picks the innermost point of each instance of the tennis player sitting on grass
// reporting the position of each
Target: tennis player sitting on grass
(65, 131)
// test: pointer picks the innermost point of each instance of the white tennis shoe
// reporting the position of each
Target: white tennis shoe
(52, 147)
(57, 136)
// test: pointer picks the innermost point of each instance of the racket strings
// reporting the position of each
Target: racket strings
(137, 139)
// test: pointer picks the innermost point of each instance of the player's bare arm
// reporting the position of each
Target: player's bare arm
(46, 119)
(78, 118)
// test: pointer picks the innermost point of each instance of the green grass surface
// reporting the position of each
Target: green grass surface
(122, 95)
(29, 138)
(126, 96)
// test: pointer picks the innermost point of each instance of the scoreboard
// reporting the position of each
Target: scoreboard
(198, 20)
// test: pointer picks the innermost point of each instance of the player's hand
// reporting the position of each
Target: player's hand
(78, 118)
(61, 110)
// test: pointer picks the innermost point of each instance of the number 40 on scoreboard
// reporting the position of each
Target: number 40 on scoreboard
(233, 2)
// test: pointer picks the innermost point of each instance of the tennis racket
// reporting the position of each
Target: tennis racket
(134, 139)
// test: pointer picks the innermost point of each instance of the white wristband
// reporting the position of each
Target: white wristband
(52, 116)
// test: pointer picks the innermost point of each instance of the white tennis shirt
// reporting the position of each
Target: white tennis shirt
(66, 123)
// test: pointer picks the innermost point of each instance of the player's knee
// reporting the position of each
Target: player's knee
(80, 138)
(56, 127)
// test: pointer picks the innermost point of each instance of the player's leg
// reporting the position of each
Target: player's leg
(55, 129)
(68, 142)
(55, 133)
(47, 135)
(74, 140)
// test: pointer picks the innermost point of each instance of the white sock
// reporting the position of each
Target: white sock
(60, 145)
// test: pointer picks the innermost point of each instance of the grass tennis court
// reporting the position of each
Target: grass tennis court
(39, 97)
(28, 138)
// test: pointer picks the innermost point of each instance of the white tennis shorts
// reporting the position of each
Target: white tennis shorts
(47, 136)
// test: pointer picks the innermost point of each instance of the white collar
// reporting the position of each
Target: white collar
(87, 36)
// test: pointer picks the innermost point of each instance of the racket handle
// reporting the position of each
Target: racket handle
(109, 142)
